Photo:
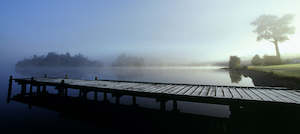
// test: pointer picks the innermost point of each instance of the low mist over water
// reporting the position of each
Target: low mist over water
(205, 75)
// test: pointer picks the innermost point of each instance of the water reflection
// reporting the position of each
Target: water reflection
(235, 76)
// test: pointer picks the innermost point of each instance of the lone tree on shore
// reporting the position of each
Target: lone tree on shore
(274, 29)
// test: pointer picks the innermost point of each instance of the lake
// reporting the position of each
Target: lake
(23, 117)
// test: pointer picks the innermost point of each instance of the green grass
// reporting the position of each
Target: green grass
(287, 70)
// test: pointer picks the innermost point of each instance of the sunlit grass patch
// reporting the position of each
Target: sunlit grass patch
(287, 70)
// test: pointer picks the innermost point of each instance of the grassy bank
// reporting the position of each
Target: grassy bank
(287, 70)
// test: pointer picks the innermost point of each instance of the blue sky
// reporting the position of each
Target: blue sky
(187, 30)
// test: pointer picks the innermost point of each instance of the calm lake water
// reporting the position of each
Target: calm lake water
(16, 116)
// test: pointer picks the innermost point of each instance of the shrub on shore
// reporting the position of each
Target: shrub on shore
(257, 61)
(266, 60)
(272, 60)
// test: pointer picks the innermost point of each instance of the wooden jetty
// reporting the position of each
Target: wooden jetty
(234, 96)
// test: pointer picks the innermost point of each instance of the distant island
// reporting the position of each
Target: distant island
(124, 60)
(53, 59)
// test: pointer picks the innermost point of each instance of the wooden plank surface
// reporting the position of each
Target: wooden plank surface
(243, 94)
(252, 95)
(212, 92)
(183, 91)
(234, 93)
(198, 91)
(261, 95)
(205, 91)
(192, 90)
(227, 92)
(219, 92)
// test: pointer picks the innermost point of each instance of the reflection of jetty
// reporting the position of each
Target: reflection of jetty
(235, 97)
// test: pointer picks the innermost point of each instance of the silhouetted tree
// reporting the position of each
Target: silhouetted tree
(234, 62)
(257, 61)
(274, 29)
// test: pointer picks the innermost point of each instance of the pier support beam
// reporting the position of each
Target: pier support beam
(175, 106)
(44, 90)
(31, 84)
(84, 94)
(9, 89)
(134, 101)
(162, 104)
(105, 97)
(118, 96)
(80, 92)
(61, 88)
(38, 89)
(65, 92)
(23, 89)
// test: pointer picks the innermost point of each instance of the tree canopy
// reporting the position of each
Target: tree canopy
(273, 28)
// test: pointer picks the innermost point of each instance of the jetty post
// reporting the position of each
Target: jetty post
(61, 88)
(9, 88)
(23, 88)
(118, 96)
(162, 104)
(85, 92)
(105, 97)
(134, 101)
(31, 84)
(44, 91)
(95, 95)
(175, 106)
(38, 89)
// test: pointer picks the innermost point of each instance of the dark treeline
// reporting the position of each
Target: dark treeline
(53, 59)
(125, 60)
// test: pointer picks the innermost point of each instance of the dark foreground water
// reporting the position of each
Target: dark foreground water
(57, 115)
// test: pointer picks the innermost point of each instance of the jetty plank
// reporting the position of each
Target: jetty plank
(191, 90)
(262, 96)
(212, 92)
(234, 93)
(227, 93)
(219, 92)
(252, 95)
(183, 91)
(198, 91)
(242, 93)
(205, 91)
